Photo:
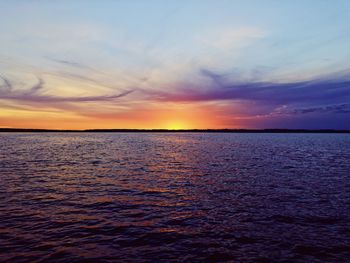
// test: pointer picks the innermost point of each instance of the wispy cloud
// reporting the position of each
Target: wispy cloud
(69, 63)
(33, 94)
(317, 90)
(7, 85)
(231, 38)
(337, 108)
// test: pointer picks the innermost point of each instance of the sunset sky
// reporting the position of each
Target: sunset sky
(175, 64)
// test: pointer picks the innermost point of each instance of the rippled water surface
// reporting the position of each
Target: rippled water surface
(182, 197)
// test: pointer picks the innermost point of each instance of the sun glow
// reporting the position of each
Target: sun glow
(176, 125)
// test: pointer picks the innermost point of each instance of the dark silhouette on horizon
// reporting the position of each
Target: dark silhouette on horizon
(182, 130)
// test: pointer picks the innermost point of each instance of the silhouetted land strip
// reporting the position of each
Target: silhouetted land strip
(189, 130)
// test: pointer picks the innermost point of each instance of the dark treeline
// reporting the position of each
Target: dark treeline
(189, 130)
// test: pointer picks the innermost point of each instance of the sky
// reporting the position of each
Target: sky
(175, 64)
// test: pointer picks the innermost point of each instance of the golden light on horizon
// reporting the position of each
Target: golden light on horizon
(176, 125)
(93, 116)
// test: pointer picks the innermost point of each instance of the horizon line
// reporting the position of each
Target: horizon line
(226, 130)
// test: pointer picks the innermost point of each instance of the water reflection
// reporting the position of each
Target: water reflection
(174, 197)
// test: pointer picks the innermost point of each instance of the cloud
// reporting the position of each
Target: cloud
(231, 38)
(7, 85)
(221, 88)
(33, 95)
(337, 108)
(249, 102)
(35, 89)
(69, 63)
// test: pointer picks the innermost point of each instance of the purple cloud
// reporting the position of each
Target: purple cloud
(313, 95)
(312, 91)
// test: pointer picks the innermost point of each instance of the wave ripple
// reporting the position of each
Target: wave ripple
(174, 197)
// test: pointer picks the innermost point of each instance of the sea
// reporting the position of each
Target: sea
(174, 197)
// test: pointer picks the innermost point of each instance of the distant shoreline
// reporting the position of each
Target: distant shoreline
(177, 131)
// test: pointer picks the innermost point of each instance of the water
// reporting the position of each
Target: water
(174, 197)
